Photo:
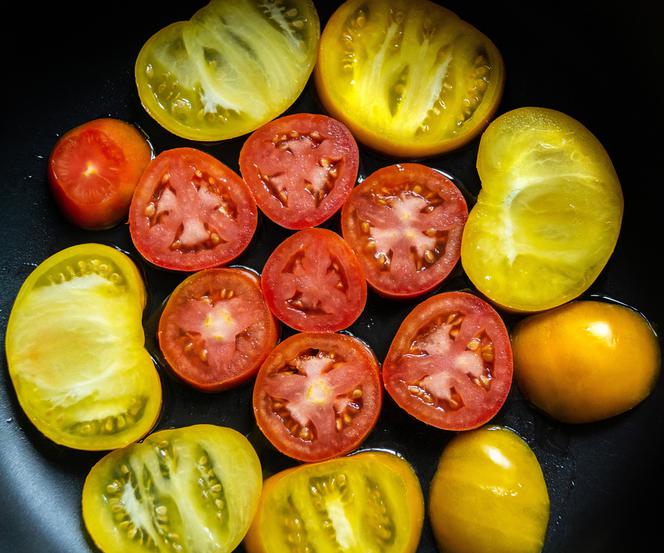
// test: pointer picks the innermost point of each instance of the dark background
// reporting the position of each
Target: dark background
(599, 62)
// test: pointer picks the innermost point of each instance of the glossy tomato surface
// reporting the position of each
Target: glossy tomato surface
(194, 488)
(408, 77)
(300, 168)
(314, 282)
(371, 501)
(587, 360)
(93, 171)
(191, 212)
(405, 222)
(230, 68)
(318, 395)
(450, 363)
(216, 330)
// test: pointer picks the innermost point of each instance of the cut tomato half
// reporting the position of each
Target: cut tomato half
(318, 395)
(191, 212)
(405, 223)
(450, 363)
(216, 330)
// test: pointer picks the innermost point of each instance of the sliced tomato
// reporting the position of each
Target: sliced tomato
(191, 212)
(216, 330)
(93, 171)
(405, 223)
(300, 168)
(313, 282)
(318, 395)
(450, 363)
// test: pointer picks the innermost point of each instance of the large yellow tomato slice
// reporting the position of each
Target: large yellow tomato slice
(192, 489)
(75, 350)
(549, 213)
(408, 77)
(231, 68)
(367, 503)
(489, 495)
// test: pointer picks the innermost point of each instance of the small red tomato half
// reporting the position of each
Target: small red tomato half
(450, 363)
(405, 223)
(191, 212)
(318, 395)
(301, 168)
(93, 171)
(216, 330)
(313, 282)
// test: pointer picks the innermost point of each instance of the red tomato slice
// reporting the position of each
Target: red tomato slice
(300, 168)
(216, 330)
(318, 395)
(405, 223)
(313, 282)
(450, 363)
(191, 212)
(93, 171)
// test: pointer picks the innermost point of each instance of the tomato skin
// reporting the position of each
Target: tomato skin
(313, 282)
(148, 496)
(377, 74)
(586, 361)
(392, 205)
(488, 495)
(214, 298)
(191, 212)
(75, 350)
(450, 362)
(272, 166)
(318, 395)
(93, 171)
(367, 475)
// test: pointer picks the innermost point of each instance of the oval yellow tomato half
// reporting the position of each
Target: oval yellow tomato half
(183, 490)
(488, 495)
(549, 213)
(75, 350)
(371, 501)
(586, 361)
(231, 68)
(408, 77)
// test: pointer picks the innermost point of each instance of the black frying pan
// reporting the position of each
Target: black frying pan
(598, 62)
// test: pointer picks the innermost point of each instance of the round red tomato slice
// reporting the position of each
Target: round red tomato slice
(191, 212)
(318, 395)
(216, 330)
(93, 171)
(450, 363)
(313, 282)
(300, 168)
(405, 223)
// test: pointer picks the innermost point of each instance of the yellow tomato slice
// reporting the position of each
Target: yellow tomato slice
(549, 213)
(408, 77)
(231, 68)
(75, 350)
(183, 490)
(368, 502)
(488, 495)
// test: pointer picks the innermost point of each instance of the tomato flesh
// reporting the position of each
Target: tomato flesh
(405, 223)
(75, 350)
(317, 395)
(187, 489)
(371, 501)
(450, 363)
(93, 171)
(216, 330)
(408, 77)
(191, 212)
(313, 282)
(300, 168)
